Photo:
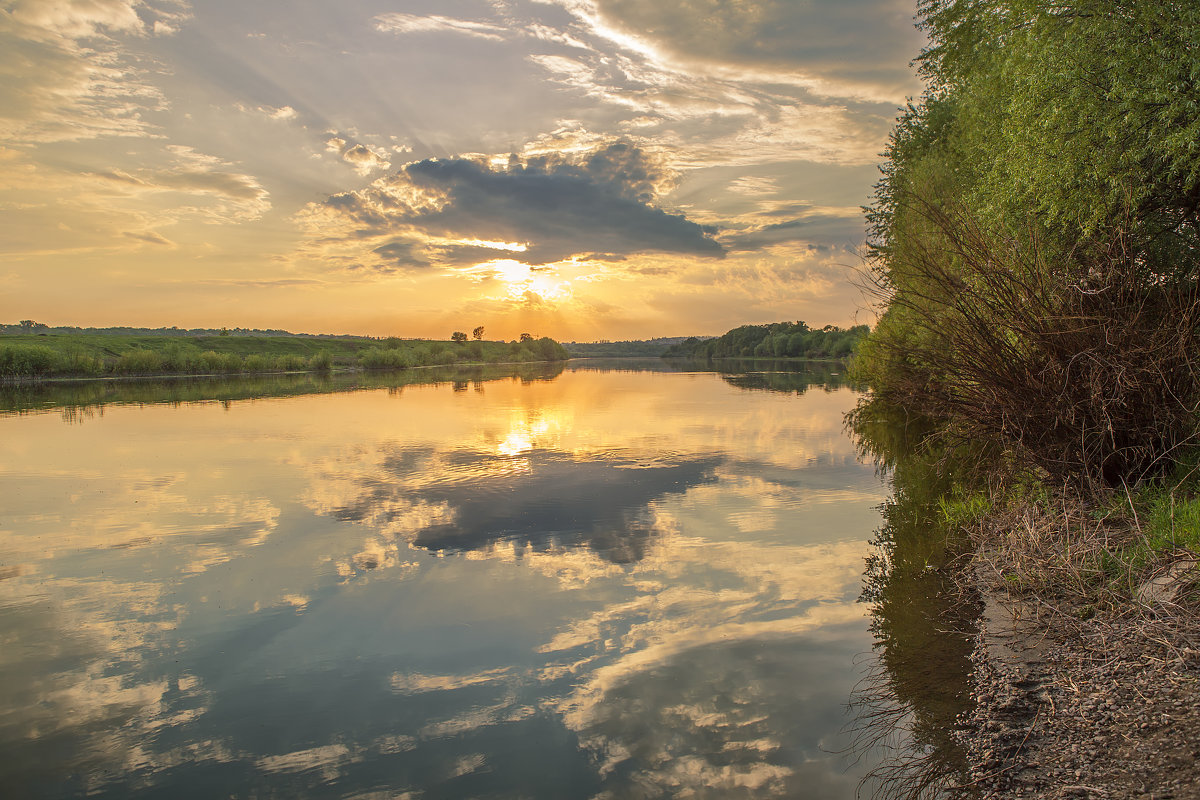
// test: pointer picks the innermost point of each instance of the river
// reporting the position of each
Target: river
(609, 580)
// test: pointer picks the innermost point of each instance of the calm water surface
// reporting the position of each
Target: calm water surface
(600, 583)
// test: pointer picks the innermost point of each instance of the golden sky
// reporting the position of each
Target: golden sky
(581, 169)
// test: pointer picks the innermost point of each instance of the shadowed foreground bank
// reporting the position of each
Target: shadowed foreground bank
(1032, 644)
(1035, 254)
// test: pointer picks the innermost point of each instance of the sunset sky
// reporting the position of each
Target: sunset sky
(581, 169)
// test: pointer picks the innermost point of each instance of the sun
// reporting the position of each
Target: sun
(520, 279)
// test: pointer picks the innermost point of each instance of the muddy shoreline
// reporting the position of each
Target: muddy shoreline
(1064, 707)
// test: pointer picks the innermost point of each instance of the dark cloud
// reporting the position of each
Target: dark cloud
(858, 40)
(560, 206)
(402, 253)
(865, 41)
(819, 229)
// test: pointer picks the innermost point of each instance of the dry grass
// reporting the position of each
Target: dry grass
(1082, 358)
(1076, 570)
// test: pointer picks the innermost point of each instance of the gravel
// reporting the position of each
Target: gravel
(1106, 708)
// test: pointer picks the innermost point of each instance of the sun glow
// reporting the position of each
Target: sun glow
(512, 247)
(521, 279)
(526, 434)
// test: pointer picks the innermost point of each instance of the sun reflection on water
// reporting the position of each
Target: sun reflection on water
(627, 572)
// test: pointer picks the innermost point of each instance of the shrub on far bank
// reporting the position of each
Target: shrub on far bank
(139, 362)
(385, 358)
(257, 363)
(211, 361)
(321, 362)
(27, 360)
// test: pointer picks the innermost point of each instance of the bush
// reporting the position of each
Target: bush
(77, 362)
(180, 358)
(211, 361)
(384, 358)
(139, 362)
(291, 362)
(28, 361)
(421, 356)
(321, 362)
(1082, 363)
(551, 350)
(257, 363)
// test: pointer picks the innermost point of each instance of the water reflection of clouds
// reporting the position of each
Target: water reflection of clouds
(648, 527)
(733, 720)
(137, 511)
(467, 500)
(540, 493)
(68, 698)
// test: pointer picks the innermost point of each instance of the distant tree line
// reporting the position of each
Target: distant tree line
(27, 326)
(643, 348)
(775, 340)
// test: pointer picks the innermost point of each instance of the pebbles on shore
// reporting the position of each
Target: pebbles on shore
(1105, 709)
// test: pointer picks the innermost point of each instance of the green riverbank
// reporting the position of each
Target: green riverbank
(55, 355)
(1034, 253)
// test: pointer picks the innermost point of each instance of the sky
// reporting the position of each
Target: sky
(580, 169)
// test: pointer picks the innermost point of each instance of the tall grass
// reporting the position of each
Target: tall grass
(386, 358)
(139, 362)
(34, 360)
(24, 356)
(321, 362)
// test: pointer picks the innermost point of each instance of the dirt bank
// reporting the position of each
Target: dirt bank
(1106, 707)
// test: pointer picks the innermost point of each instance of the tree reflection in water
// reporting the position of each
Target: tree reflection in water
(923, 619)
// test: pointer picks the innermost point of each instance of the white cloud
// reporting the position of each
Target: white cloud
(282, 113)
(365, 160)
(79, 18)
(66, 75)
(410, 23)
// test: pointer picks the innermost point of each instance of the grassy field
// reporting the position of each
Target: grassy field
(53, 355)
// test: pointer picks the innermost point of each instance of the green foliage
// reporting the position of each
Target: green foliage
(960, 509)
(256, 362)
(385, 358)
(181, 357)
(777, 340)
(213, 362)
(1035, 237)
(139, 362)
(34, 355)
(75, 361)
(34, 360)
(291, 362)
(549, 350)
(321, 362)
(1173, 521)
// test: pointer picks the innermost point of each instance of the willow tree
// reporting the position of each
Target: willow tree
(1035, 237)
